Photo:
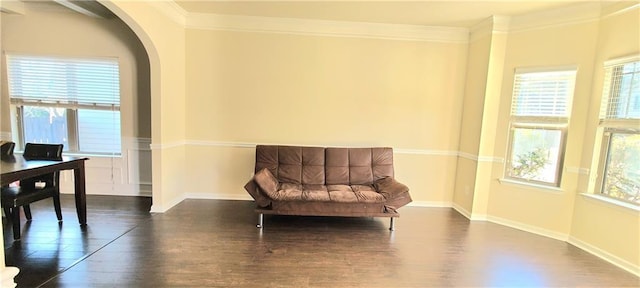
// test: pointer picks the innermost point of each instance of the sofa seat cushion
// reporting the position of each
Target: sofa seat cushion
(315, 193)
(368, 195)
(288, 192)
(327, 193)
(343, 196)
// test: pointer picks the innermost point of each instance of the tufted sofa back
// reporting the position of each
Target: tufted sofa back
(325, 166)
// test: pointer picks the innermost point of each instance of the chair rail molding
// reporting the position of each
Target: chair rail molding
(409, 151)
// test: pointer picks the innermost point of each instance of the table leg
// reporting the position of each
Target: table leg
(80, 192)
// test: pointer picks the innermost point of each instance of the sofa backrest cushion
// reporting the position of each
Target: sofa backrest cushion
(325, 166)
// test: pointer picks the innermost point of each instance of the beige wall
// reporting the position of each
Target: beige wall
(164, 40)
(471, 120)
(569, 45)
(45, 30)
(598, 226)
(248, 88)
(215, 94)
(608, 230)
(61, 33)
(562, 213)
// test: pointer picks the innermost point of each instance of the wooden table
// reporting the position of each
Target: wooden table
(17, 167)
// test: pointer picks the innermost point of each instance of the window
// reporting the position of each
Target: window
(540, 110)
(75, 102)
(619, 169)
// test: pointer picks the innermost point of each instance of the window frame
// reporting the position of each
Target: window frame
(548, 122)
(608, 126)
(71, 106)
(563, 128)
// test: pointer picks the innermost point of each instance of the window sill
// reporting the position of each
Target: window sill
(530, 185)
(612, 202)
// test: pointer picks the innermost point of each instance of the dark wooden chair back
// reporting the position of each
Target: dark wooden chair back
(33, 151)
(6, 149)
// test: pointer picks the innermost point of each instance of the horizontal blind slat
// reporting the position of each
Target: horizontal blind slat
(543, 94)
(621, 91)
(64, 80)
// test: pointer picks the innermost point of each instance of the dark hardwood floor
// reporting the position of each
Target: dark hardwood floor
(214, 243)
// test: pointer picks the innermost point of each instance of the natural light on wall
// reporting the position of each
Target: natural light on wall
(619, 161)
(540, 112)
(72, 101)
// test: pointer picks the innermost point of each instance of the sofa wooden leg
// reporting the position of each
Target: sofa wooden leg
(392, 224)
(260, 220)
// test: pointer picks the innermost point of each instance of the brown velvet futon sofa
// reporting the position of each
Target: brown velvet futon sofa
(319, 181)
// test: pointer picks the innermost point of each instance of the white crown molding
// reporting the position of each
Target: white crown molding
(617, 8)
(170, 9)
(575, 14)
(12, 7)
(315, 27)
(492, 25)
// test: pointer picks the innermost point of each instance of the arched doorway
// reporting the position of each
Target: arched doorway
(153, 86)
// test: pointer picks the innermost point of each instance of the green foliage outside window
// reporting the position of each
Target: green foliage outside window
(622, 176)
(528, 165)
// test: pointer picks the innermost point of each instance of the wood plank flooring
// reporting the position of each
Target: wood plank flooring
(214, 243)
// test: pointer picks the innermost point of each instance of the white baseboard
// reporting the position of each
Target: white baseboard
(7, 274)
(461, 210)
(613, 259)
(529, 228)
(161, 208)
(479, 217)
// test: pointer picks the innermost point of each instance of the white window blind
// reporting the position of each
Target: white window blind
(75, 101)
(621, 91)
(543, 94)
(540, 110)
(65, 82)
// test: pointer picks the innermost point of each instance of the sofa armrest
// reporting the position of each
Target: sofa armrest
(267, 182)
(389, 187)
(263, 187)
(261, 199)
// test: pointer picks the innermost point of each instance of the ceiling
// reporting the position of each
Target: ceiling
(451, 13)
(447, 13)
